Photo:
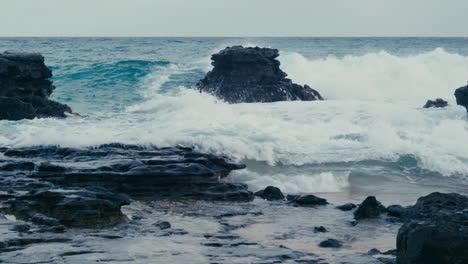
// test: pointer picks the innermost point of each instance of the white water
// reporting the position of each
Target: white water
(373, 113)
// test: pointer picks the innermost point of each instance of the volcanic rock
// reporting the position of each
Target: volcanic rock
(247, 75)
(461, 94)
(270, 193)
(436, 103)
(370, 208)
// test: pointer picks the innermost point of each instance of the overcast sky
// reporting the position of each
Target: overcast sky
(234, 18)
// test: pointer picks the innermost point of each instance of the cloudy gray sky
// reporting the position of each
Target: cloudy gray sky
(233, 18)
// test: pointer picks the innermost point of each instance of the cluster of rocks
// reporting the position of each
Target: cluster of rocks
(87, 187)
(247, 75)
(434, 230)
(25, 88)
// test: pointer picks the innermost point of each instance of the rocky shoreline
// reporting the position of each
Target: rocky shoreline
(82, 205)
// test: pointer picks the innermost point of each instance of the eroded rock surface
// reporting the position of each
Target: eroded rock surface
(87, 187)
(25, 88)
(247, 75)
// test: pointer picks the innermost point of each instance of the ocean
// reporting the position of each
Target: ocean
(370, 136)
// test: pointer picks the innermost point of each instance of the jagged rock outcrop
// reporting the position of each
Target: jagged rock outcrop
(247, 75)
(70, 189)
(370, 208)
(435, 232)
(437, 103)
(461, 94)
(25, 88)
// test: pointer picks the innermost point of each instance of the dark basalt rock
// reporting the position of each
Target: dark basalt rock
(306, 200)
(247, 75)
(331, 243)
(320, 229)
(25, 88)
(346, 207)
(436, 103)
(163, 225)
(270, 193)
(370, 208)
(461, 94)
(397, 210)
(83, 194)
(436, 231)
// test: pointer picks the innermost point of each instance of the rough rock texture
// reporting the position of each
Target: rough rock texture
(247, 75)
(370, 208)
(461, 94)
(70, 189)
(436, 103)
(270, 193)
(25, 88)
(436, 231)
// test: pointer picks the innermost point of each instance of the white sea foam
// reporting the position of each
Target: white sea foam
(348, 127)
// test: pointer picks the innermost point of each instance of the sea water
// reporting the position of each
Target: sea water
(370, 136)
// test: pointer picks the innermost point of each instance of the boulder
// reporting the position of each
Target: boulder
(306, 200)
(346, 207)
(435, 232)
(370, 208)
(461, 94)
(270, 193)
(436, 103)
(25, 88)
(331, 243)
(248, 75)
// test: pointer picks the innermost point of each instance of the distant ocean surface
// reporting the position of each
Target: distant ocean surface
(371, 135)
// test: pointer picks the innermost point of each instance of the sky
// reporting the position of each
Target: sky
(236, 18)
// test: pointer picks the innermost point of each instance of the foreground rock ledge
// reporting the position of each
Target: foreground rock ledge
(87, 187)
(25, 88)
(247, 75)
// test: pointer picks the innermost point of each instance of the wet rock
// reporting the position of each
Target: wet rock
(246, 75)
(163, 225)
(306, 200)
(461, 94)
(436, 103)
(25, 88)
(396, 210)
(331, 243)
(374, 251)
(436, 231)
(370, 208)
(346, 207)
(320, 229)
(23, 166)
(270, 193)
(21, 228)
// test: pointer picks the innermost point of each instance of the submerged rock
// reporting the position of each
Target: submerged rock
(461, 94)
(436, 231)
(370, 208)
(25, 88)
(346, 207)
(306, 200)
(331, 243)
(270, 193)
(247, 75)
(436, 103)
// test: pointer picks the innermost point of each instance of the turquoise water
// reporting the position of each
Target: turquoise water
(371, 129)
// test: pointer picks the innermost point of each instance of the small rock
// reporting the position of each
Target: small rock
(374, 251)
(396, 210)
(270, 193)
(346, 207)
(21, 228)
(370, 208)
(331, 243)
(163, 225)
(320, 229)
(306, 200)
(436, 103)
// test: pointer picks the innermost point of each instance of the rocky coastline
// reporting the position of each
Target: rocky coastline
(77, 197)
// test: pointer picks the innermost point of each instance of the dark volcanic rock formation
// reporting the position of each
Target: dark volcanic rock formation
(306, 200)
(436, 103)
(436, 231)
(247, 75)
(370, 208)
(71, 189)
(25, 88)
(461, 94)
(270, 193)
